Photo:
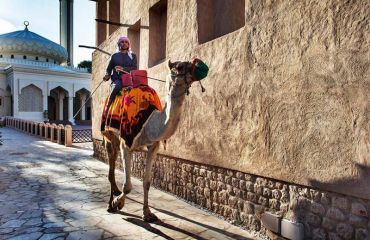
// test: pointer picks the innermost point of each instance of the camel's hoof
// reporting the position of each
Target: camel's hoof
(150, 218)
(118, 204)
(111, 209)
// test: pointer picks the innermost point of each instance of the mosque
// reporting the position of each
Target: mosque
(38, 81)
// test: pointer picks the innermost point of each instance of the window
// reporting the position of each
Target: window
(219, 17)
(12, 56)
(47, 59)
(24, 57)
(157, 32)
(134, 35)
(1, 56)
(36, 58)
(30, 99)
(1, 101)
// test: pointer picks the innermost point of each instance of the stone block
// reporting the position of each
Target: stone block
(230, 173)
(248, 177)
(271, 221)
(220, 186)
(319, 234)
(362, 234)
(249, 186)
(228, 180)
(221, 177)
(203, 172)
(248, 207)
(357, 221)
(213, 185)
(252, 197)
(317, 208)
(340, 202)
(240, 175)
(313, 219)
(291, 230)
(235, 182)
(233, 202)
(333, 236)
(328, 224)
(345, 231)
(335, 213)
(266, 192)
(230, 190)
(263, 201)
(276, 194)
(207, 192)
(274, 204)
(258, 189)
(325, 199)
(242, 185)
(359, 209)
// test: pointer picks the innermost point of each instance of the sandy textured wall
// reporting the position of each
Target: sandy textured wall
(287, 95)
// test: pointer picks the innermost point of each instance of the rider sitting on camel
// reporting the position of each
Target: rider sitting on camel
(122, 61)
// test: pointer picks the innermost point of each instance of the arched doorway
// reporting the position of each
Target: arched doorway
(58, 105)
(84, 115)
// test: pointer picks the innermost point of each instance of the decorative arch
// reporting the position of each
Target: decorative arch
(30, 99)
(66, 86)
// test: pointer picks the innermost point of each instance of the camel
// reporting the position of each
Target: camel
(158, 127)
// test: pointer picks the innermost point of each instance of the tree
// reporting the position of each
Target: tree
(85, 64)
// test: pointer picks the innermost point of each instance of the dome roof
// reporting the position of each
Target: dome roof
(27, 42)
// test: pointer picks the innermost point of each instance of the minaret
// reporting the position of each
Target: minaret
(66, 27)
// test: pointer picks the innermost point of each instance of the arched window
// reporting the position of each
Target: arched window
(36, 58)
(47, 59)
(12, 56)
(30, 99)
(25, 57)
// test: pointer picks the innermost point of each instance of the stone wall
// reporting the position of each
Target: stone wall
(242, 198)
(287, 96)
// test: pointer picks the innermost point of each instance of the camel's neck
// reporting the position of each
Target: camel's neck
(162, 125)
(172, 110)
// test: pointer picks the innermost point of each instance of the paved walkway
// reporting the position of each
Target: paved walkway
(49, 191)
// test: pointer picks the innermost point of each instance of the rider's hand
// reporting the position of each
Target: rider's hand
(106, 77)
(119, 69)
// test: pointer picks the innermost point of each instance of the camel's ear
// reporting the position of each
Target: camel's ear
(170, 64)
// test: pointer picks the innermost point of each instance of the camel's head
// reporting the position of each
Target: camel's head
(185, 73)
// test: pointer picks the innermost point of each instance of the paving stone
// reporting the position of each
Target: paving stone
(51, 236)
(65, 191)
(28, 236)
(13, 224)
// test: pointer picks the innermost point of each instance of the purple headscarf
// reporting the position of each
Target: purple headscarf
(122, 39)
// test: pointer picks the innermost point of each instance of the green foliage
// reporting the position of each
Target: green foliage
(85, 64)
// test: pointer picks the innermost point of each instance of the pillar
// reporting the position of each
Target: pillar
(83, 105)
(70, 110)
(60, 105)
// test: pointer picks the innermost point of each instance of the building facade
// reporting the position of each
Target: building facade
(282, 131)
(34, 82)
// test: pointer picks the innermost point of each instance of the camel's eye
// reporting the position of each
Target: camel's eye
(180, 69)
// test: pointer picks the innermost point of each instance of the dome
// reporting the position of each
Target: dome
(27, 42)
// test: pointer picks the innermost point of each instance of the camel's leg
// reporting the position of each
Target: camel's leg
(151, 157)
(112, 156)
(126, 156)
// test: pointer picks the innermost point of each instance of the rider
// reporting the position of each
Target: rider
(124, 60)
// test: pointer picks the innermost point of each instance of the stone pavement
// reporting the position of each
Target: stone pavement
(49, 191)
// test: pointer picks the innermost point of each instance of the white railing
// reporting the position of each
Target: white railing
(56, 133)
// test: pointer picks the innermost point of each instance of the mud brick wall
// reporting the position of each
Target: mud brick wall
(242, 198)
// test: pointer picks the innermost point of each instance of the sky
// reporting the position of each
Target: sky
(43, 18)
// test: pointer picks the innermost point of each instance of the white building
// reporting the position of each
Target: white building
(35, 84)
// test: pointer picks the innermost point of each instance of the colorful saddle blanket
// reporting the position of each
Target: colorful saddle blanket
(129, 111)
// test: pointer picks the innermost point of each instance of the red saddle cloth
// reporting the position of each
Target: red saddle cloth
(131, 109)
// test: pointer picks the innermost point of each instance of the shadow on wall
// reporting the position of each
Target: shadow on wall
(329, 215)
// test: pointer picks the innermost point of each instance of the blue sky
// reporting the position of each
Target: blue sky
(43, 17)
